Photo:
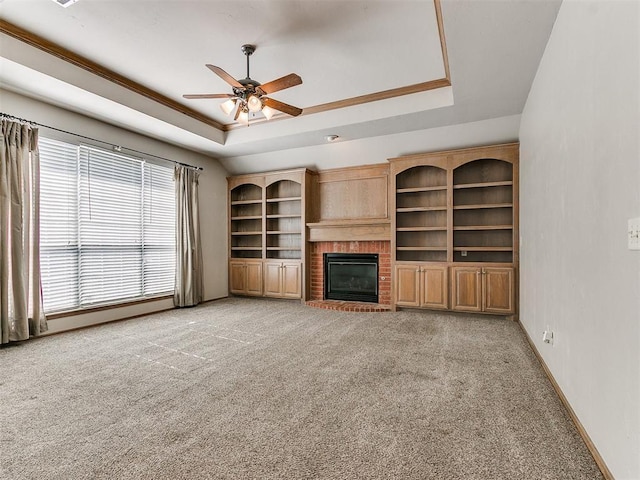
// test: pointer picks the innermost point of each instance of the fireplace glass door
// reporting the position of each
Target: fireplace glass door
(351, 276)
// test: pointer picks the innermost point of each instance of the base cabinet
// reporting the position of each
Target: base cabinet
(282, 279)
(482, 289)
(245, 277)
(420, 285)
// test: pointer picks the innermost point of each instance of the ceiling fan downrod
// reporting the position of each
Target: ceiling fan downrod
(248, 51)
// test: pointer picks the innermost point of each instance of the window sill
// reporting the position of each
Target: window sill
(98, 308)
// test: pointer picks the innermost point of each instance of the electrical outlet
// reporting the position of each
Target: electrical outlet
(547, 336)
(634, 233)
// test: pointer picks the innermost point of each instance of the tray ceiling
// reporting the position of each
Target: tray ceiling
(346, 52)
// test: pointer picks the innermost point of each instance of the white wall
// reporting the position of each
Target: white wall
(212, 194)
(379, 149)
(580, 183)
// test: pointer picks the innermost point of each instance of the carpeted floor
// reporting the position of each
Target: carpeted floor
(260, 389)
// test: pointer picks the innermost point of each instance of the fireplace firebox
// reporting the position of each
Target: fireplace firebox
(351, 276)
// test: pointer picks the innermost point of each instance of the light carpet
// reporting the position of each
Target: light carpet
(262, 389)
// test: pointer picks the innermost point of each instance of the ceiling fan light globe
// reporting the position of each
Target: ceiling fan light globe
(228, 106)
(254, 103)
(243, 118)
(268, 112)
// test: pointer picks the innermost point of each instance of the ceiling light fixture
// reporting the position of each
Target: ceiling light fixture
(254, 103)
(228, 106)
(65, 3)
(249, 97)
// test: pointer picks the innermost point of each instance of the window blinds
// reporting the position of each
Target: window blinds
(107, 227)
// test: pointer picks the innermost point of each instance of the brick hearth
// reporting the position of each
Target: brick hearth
(382, 248)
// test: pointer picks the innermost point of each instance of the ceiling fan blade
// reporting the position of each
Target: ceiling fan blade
(208, 95)
(225, 76)
(283, 107)
(287, 81)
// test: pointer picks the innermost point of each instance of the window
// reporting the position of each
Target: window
(107, 227)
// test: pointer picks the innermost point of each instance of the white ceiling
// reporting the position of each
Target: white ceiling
(341, 49)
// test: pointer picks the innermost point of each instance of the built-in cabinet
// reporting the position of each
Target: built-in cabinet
(245, 277)
(483, 289)
(282, 279)
(421, 285)
(267, 224)
(454, 229)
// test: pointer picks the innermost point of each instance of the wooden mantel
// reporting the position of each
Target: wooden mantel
(350, 230)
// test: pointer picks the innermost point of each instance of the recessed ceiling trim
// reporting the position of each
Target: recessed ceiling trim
(373, 97)
(443, 42)
(108, 74)
(382, 95)
(79, 61)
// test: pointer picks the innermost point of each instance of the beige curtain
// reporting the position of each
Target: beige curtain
(21, 313)
(188, 289)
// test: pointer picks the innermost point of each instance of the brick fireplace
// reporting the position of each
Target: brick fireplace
(382, 248)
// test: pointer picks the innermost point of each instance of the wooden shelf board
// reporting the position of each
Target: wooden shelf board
(246, 248)
(421, 229)
(246, 233)
(480, 228)
(421, 249)
(248, 217)
(505, 183)
(483, 249)
(439, 188)
(246, 202)
(283, 199)
(293, 249)
(287, 215)
(421, 209)
(483, 206)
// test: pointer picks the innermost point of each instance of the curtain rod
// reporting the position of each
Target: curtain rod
(117, 148)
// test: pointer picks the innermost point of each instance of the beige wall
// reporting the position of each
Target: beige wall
(579, 184)
(212, 191)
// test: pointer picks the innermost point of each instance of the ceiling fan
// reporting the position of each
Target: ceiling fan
(249, 96)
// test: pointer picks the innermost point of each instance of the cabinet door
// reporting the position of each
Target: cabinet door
(272, 279)
(238, 278)
(434, 291)
(291, 280)
(407, 285)
(467, 289)
(254, 278)
(498, 289)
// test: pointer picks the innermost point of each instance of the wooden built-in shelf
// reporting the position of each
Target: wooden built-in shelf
(483, 185)
(284, 215)
(421, 209)
(482, 227)
(267, 216)
(422, 189)
(480, 206)
(483, 249)
(246, 202)
(248, 217)
(454, 244)
(283, 199)
(421, 229)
